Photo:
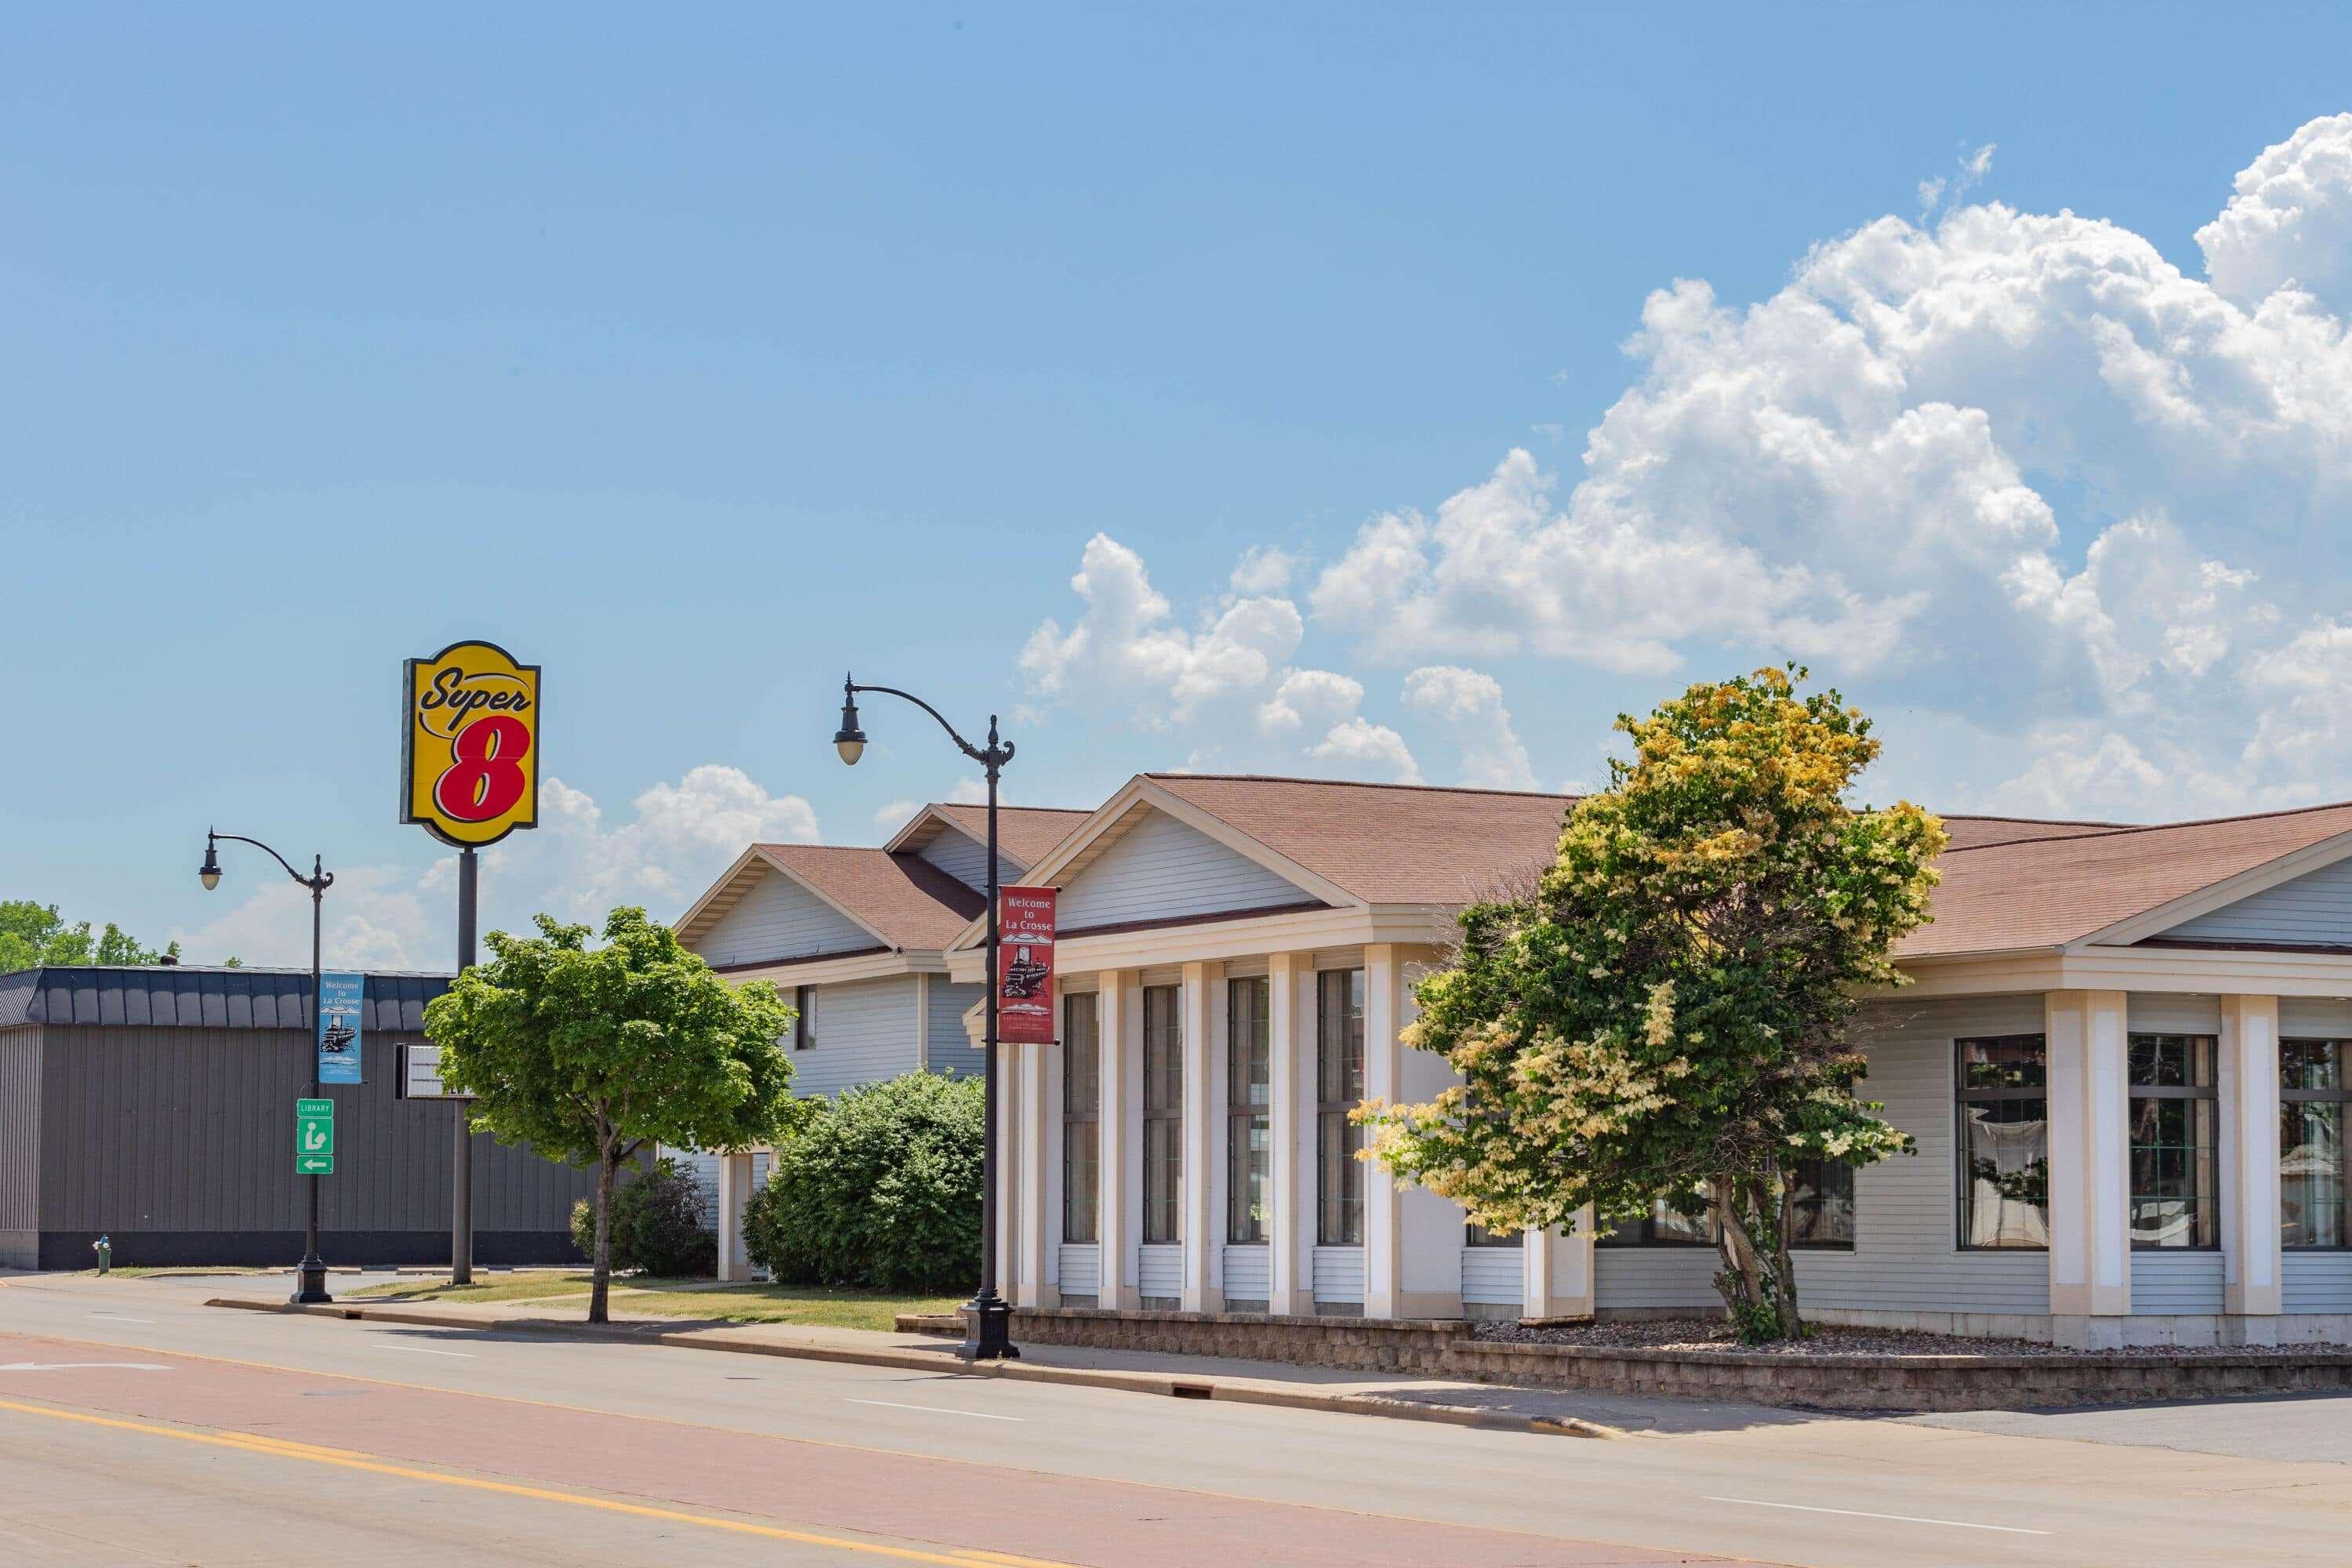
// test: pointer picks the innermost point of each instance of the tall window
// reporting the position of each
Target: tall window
(2315, 1086)
(805, 1025)
(1339, 1086)
(1164, 1113)
(1081, 1118)
(2172, 1143)
(2004, 1141)
(1820, 1203)
(1249, 1131)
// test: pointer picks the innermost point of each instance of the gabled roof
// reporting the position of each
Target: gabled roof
(1023, 833)
(904, 900)
(183, 995)
(2112, 883)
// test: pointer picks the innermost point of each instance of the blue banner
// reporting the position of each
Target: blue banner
(339, 1027)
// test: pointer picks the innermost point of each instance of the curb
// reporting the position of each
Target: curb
(1167, 1385)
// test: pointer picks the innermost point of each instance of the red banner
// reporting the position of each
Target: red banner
(1025, 965)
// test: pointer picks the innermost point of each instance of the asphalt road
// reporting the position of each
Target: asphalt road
(138, 1426)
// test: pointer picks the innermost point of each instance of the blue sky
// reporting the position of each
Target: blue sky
(696, 359)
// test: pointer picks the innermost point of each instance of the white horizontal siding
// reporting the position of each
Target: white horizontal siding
(1906, 1255)
(2315, 907)
(1650, 1278)
(1160, 869)
(702, 1170)
(2175, 1281)
(1338, 1274)
(865, 1033)
(952, 1049)
(2315, 1281)
(1494, 1276)
(1081, 1269)
(966, 859)
(1159, 1271)
(1249, 1274)
(778, 918)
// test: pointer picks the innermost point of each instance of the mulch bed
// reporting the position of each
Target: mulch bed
(1684, 1335)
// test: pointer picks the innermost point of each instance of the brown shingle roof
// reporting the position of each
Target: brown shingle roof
(2003, 896)
(1023, 832)
(906, 901)
(1420, 844)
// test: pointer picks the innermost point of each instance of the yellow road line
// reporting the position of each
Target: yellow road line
(283, 1448)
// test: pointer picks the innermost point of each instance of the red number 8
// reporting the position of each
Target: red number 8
(487, 780)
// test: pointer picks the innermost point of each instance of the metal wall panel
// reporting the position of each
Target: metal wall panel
(156, 1130)
(20, 1127)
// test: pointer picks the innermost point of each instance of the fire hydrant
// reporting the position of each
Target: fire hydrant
(105, 1250)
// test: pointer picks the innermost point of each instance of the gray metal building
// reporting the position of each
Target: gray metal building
(155, 1106)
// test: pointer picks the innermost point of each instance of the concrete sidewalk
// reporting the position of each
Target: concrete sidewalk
(1547, 1410)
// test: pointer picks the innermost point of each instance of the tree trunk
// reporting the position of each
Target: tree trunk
(601, 1277)
(1758, 1287)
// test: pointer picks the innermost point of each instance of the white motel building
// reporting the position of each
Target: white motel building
(2125, 1055)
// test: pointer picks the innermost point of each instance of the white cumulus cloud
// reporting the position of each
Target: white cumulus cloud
(1469, 704)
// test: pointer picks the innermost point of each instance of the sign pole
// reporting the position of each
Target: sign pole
(461, 1178)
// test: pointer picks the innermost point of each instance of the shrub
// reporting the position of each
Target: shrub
(880, 1187)
(658, 1222)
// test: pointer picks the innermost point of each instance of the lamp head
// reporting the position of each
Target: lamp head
(849, 740)
(209, 872)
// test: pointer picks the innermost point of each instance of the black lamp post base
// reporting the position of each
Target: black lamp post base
(988, 1330)
(311, 1284)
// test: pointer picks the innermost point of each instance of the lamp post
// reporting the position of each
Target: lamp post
(988, 1326)
(311, 1276)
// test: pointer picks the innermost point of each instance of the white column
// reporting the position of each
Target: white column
(1116, 1003)
(1008, 1164)
(1040, 1132)
(734, 1192)
(2090, 1177)
(1560, 1269)
(2248, 1090)
(1292, 1289)
(1383, 1205)
(1203, 1234)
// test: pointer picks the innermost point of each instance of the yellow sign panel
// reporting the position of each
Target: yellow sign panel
(469, 743)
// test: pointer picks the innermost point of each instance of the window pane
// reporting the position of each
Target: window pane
(1081, 1180)
(1163, 1113)
(1339, 1086)
(2314, 1066)
(1820, 1203)
(2012, 1061)
(2005, 1173)
(2171, 1061)
(1476, 1235)
(1663, 1228)
(1163, 1175)
(1340, 1181)
(1249, 1067)
(1081, 1116)
(2312, 1174)
(2172, 1174)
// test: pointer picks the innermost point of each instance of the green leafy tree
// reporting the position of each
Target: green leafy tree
(1665, 1015)
(589, 1054)
(31, 934)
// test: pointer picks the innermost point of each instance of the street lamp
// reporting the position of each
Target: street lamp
(311, 1276)
(988, 1330)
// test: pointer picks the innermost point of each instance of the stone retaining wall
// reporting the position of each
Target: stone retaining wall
(1446, 1348)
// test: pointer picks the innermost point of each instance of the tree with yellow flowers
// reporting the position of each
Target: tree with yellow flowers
(1665, 1017)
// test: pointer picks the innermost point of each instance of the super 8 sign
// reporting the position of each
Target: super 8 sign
(469, 743)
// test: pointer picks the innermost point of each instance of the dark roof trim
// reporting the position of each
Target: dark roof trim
(798, 959)
(1121, 928)
(2329, 949)
(182, 996)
